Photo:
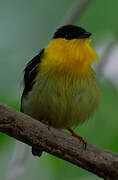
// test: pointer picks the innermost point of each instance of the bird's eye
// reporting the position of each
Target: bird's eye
(67, 36)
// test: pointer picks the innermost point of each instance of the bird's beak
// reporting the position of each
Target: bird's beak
(85, 35)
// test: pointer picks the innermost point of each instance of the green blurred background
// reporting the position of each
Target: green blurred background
(25, 28)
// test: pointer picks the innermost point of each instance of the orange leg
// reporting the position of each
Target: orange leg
(45, 122)
(77, 136)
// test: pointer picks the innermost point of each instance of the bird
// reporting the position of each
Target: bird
(60, 86)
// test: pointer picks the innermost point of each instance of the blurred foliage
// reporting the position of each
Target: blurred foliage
(26, 27)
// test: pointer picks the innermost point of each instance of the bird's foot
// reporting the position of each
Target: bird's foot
(77, 136)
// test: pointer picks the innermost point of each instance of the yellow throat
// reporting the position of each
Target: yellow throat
(69, 55)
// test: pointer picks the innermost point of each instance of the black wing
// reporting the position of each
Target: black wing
(30, 74)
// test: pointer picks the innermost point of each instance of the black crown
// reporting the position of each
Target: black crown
(71, 32)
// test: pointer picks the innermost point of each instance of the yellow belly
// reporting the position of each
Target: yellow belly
(63, 104)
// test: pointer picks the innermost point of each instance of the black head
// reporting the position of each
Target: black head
(71, 32)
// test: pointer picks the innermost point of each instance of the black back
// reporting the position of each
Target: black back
(30, 74)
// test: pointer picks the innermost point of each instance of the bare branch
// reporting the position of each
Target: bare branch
(76, 11)
(32, 132)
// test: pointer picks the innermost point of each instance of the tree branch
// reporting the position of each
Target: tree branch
(32, 132)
